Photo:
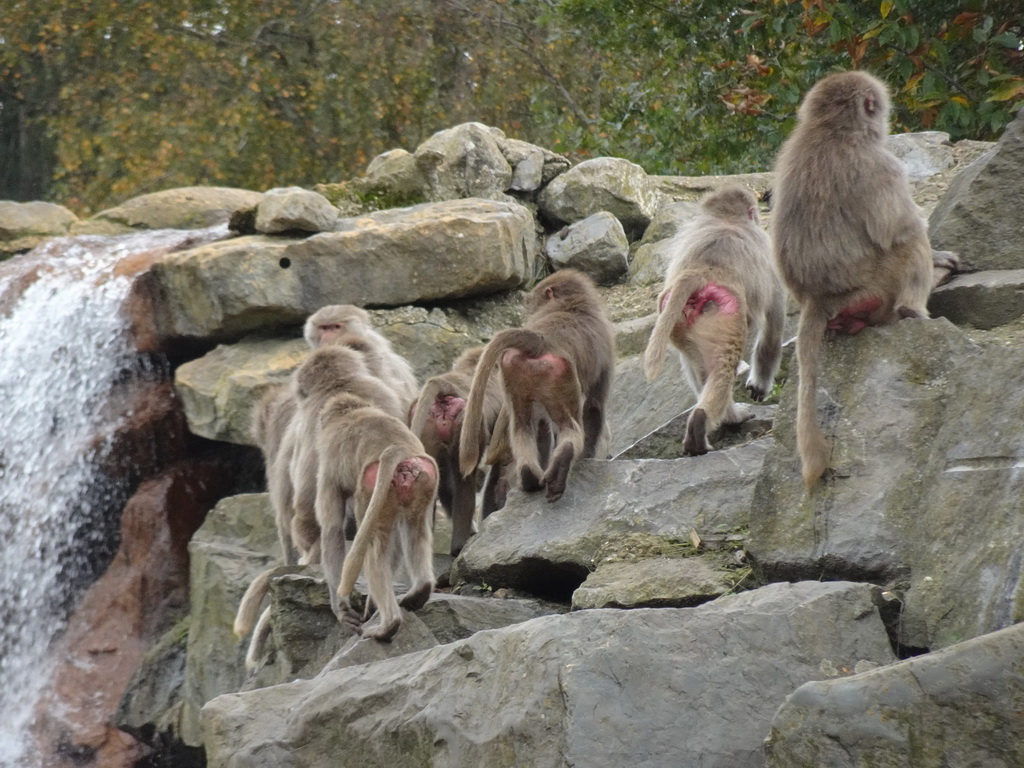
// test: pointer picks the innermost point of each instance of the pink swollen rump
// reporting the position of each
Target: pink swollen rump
(854, 318)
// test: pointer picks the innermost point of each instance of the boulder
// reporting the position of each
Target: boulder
(981, 299)
(596, 246)
(430, 252)
(532, 167)
(287, 209)
(464, 161)
(658, 582)
(184, 208)
(548, 549)
(979, 215)
(395, 173)
(656, 250)
(598, 687)
(923, 154)
(236, 543)
(925, 430)
(957, 706)
(24, 225)
(219, 390)
(603, 184)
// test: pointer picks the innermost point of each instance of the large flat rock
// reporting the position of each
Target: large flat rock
(548, 549)
(650, 687)
(428, 252)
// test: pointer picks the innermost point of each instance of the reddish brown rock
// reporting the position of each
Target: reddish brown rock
(142, 593)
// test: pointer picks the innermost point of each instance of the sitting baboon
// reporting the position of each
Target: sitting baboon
(848, 238)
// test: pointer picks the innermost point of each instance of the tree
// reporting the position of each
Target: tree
(730, 77)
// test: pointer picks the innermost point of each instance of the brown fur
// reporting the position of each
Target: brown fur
(393, 509)
(849, 242)
(440, 433)
(328, 371)
(726, 248)
(337, 322)
(556, 371)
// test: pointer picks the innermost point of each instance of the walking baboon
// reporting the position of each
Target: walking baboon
(374, 458)
(328, 371)
(848, 239)
(556, 371)
(720, 292)
(437, 420)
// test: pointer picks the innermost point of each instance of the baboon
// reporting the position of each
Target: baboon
(329, 324)
(720, 292)
(556, 371)
(848, 239)
(271, 420)
(437, 420)
(328, 371)
(374, 458)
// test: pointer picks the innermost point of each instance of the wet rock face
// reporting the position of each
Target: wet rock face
(140, 595)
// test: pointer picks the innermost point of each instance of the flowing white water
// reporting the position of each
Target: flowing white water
(64, 344)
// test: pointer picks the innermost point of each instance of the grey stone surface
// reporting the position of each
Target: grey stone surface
(237, 541)
(637, 406)
(981, 299)
(286, 209)
(597, 246)
(926, 432)
(979, 215)
(592, 688)
(923, 154)
(548, 549)
(956, 707)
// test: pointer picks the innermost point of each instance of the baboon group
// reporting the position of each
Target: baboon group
(354, 447)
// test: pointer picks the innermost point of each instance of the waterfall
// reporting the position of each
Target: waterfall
(65, 347)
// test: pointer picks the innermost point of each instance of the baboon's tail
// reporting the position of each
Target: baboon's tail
(471, 443)
(814, 450)
(683, 287)
(249, 607)
(375, 526)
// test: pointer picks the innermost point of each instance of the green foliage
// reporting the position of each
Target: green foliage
(102, 100)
